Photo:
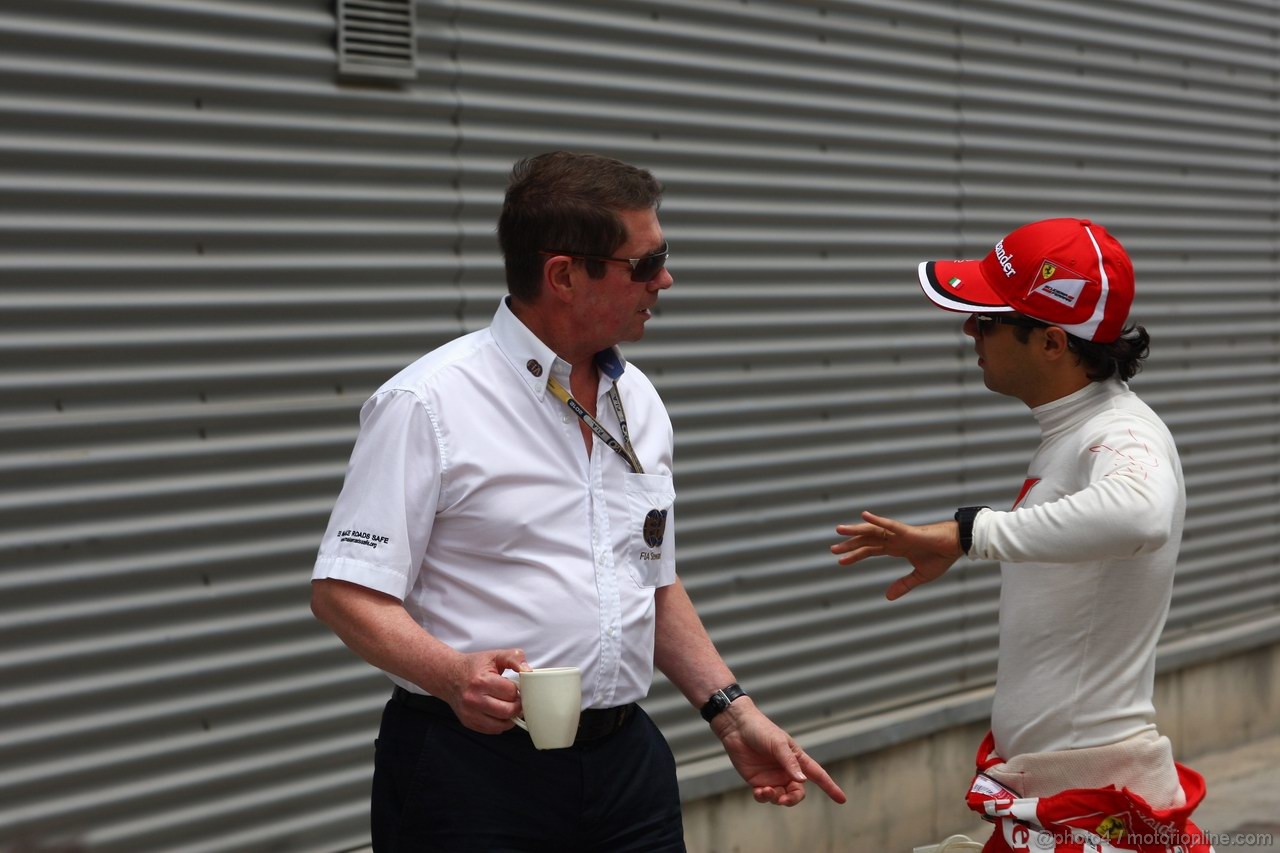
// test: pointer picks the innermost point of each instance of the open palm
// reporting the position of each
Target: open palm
(931, 549)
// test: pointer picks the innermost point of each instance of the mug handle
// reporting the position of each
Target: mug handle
(515, 677)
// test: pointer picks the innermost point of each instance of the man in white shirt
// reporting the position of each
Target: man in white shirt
(1087, 550)
(509, 504)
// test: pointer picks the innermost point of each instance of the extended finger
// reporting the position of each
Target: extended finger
(785, 752)
(821, 778)
(868, 535)
(848, 545)
(856, 529)
(892, 525)
(862, 553)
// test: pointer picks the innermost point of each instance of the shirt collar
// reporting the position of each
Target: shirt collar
(533, 360)
(1077, 406)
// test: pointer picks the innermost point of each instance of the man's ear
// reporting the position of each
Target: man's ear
(1054, 345)
(557, 277)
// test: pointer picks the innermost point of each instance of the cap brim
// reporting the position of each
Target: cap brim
(959, 286)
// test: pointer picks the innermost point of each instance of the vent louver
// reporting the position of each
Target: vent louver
(376, 39)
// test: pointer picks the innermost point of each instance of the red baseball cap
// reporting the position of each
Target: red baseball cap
(1066, 272)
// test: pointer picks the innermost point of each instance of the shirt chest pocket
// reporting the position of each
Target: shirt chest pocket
(651, 552)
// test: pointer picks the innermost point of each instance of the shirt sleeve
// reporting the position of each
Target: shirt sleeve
(379, 529)
(1127, 508)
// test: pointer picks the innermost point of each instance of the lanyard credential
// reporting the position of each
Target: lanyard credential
(623, 449)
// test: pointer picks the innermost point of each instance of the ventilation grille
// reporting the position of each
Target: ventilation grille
(376, 39)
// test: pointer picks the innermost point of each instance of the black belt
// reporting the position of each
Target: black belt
(594, 724)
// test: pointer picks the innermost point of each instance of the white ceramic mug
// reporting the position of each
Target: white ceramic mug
(552, 700)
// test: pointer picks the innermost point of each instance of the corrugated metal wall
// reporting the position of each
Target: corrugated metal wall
(210, 253)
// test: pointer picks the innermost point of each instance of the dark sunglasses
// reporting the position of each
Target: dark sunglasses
(987, 322)
(643, 270)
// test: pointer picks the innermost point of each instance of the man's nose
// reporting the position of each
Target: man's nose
(971, 327)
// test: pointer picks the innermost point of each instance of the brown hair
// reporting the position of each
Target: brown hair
(567, 202)
(1122, 357)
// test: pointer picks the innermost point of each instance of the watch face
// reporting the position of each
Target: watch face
(721, 700)
(716, 703)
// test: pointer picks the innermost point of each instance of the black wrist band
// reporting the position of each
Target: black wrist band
(964, 517)
(721, 700)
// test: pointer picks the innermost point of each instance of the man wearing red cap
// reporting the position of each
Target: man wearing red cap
(1087, 550)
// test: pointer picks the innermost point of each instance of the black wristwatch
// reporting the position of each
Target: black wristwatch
(720, 700)
(964, 517)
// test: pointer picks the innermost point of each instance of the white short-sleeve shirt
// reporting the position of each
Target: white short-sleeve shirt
(471, 498)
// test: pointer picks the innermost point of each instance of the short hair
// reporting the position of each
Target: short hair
(564, 201)
(1122, 357)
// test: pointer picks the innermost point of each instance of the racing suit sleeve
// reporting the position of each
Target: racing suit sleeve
(1127, 508)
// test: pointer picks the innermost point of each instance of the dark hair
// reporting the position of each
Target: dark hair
(1122, 357)
(567, 202)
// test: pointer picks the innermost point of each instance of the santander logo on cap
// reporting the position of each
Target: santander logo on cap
(1067, 272)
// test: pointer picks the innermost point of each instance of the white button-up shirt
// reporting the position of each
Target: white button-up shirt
(471, 498)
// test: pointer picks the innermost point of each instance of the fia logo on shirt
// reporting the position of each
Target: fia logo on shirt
(655, 527)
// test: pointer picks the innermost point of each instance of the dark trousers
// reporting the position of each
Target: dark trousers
(438, 786)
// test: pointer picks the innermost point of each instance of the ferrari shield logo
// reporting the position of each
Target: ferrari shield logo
(655, 525)
(1047, 271)
(1112, 828)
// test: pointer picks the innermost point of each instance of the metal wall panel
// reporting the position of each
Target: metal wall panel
(211, 252)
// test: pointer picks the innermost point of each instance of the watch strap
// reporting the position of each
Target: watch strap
(720, 700)
(964, 518)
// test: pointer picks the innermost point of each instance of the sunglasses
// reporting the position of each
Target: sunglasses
(643, 270)
(987, 322)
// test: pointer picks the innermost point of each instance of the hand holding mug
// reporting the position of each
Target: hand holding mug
(481, 698)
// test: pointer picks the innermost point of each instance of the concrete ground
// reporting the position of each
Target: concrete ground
(1243, 797)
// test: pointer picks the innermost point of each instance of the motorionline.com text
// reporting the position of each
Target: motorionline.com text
(1048, 841)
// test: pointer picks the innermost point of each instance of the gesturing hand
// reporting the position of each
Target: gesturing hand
(483, 700)
(770, 761)
(931, 548)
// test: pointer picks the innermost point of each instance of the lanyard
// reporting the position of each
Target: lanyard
(625, 450)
